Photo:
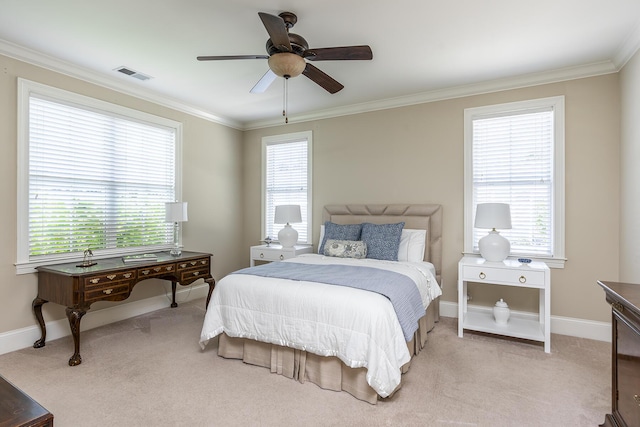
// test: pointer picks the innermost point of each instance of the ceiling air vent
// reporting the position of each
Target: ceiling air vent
(132, 73)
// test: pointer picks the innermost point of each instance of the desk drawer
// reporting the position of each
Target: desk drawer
(98, 281)
(194, 263)
(507, 276)
(105, 291)
(156, 270)
(188, 275)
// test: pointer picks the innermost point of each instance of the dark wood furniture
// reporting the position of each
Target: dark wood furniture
(111, 280)
(625, 300)
(19, 410)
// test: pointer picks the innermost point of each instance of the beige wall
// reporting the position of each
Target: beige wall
(630, 172)
(415, 155)
(403, 155)
(212, 184)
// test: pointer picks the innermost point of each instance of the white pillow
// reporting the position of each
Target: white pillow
(412, 245)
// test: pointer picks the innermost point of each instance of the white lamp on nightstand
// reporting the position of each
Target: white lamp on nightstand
(286, 214)
(176, 212)
(493, 246)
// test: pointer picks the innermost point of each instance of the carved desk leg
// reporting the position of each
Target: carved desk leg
(212, 284)
(173, 294)
(37, 310)
(75, 315)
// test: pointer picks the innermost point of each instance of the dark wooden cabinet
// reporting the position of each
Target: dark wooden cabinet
(19, 410)
(111, 280)
(625, 386)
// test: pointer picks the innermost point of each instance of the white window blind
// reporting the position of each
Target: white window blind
(512, 163)
(287, 178)
(514, 153)
(95, 179)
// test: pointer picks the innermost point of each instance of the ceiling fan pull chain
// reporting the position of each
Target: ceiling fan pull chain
(285, 100)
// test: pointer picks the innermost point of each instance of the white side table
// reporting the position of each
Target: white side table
(507, 273)
(276, 252)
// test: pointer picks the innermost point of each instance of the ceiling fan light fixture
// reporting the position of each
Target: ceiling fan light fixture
(287, 64)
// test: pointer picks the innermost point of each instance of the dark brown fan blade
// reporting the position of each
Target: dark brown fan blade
(339, 53)
(323, 79)
(222, 58)
(277, 30)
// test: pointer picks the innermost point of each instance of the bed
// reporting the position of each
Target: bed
(364, 346)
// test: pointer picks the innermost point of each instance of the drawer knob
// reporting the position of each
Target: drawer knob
(169, 267)
(193, 262)
(482, 275)
(111, 276)
(107, 291)
(261, 255)
(281, 257)
(617, 306)
(183, 265)
(195, 273)
(637, 399)
(203, 262)
(522, 279)
(127, 275)
(94, 281)
(145, 272)
(157, 269)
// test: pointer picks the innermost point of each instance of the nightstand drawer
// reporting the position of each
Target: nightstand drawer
(488, 274)
(271, 255)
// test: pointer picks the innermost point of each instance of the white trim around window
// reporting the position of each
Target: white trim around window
(87, 130)
(291, 181)
(553, 108)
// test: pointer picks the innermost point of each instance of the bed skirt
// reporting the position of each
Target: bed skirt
(327, 372)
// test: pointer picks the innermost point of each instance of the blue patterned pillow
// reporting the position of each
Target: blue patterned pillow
(339, 232)
(383, 240)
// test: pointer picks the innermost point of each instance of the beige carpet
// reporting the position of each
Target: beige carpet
(150, 371)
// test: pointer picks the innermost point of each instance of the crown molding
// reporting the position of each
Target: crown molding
(631, 45)
(629, 48)
(59, 66)
(535, 79)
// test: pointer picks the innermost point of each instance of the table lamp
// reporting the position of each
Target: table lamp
(176, 212)
(286, 214)
(493, 246)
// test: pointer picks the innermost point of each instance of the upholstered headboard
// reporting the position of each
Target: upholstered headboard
(422, 217)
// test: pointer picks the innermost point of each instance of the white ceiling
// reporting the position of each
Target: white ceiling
(422, 49)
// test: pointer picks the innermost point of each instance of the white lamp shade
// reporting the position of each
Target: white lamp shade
(493, 215)
(493, 247)
(176, 212)
(286, 214)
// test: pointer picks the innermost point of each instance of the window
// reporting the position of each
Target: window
(514, 153)
(91, 175)
(286, 180)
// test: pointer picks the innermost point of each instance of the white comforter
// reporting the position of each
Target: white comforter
(357, 326)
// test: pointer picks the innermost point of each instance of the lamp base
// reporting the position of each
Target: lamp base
(288, 236)
(176, 251)
(494, 247)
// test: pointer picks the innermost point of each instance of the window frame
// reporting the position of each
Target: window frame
(557, 104)
(24, 264)
(283, 139)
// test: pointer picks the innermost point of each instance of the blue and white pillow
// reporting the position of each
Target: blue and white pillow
(339, 232)
(383, 240)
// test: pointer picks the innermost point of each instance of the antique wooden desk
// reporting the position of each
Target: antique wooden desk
(18, 409)
(111, 280)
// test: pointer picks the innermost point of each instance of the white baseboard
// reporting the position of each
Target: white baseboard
(25, 337)
(581, 328)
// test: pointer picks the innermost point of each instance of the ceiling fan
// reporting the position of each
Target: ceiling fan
(288, 54)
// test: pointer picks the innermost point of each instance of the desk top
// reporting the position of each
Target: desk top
(116, 263)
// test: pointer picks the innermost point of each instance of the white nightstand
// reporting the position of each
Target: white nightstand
(507, 273)
(276, 252)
